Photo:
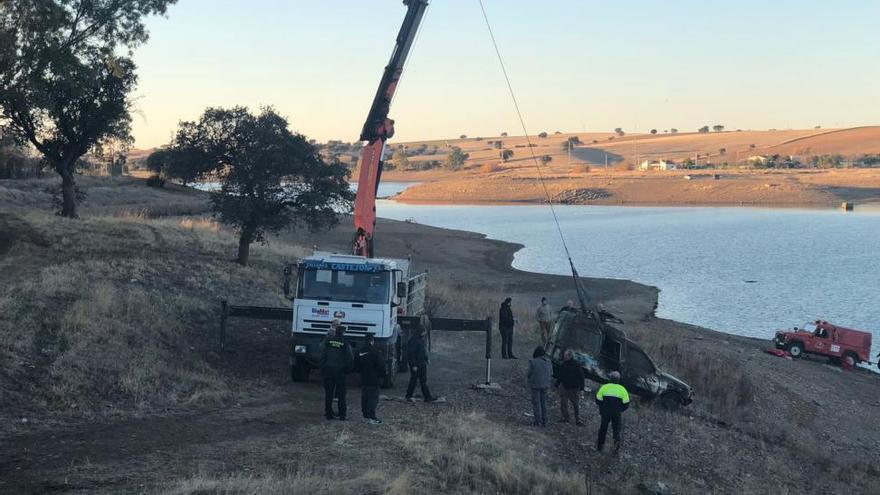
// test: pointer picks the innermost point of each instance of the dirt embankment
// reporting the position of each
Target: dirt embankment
(759, 424)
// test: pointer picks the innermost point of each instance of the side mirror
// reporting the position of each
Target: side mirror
(401, 289)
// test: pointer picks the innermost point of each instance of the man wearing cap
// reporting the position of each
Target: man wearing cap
(612, 399)
(336, 359)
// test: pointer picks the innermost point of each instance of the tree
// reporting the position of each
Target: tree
(619, 131)
(673, 130)
(503, 134)
(64, 83)
(717, 127)
(653, 131)
(704, 129)
(751, 146)
(722, 151)
(270, 178)
(400, 160)
(498, 145)
(545, 159)
(542, 135)
(456, 158)
(506, 155)
(463, 136)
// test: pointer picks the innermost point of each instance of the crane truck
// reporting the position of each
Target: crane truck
(379, 296)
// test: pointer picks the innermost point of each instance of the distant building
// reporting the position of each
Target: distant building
(657, 165)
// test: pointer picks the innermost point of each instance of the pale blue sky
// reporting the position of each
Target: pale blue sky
(576, 65)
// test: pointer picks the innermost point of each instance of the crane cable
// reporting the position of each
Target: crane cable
(578, 286)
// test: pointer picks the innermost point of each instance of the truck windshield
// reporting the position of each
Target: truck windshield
(809, 327)
(344, 285)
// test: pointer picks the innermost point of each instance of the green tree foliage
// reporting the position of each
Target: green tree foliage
(463, 136)
(270, 178)
(653, 131)
(717, 127)
(456, 158)
(65, 77)
(673, 130)
(503, 134)
(704, 129)
(506, 155)
(400, 160)
(545, 159)
(542, 135)
(498, 144)
(619, 131)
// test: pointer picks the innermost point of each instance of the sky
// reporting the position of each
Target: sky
(575, 65)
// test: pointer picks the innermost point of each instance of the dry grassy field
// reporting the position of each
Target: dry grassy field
(485, 177)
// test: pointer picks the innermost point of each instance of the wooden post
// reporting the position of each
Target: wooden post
(224, 314)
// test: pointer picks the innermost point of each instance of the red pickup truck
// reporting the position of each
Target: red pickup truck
(848, 346)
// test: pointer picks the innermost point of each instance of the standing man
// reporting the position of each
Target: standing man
(612, 399)
(571, 377)
(544, 315)
(372, 368)
(505, 327)
(417, 357)
(336, 359)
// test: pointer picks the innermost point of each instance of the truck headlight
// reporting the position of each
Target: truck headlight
(300, 349)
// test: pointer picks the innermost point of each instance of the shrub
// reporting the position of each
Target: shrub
(542, 135)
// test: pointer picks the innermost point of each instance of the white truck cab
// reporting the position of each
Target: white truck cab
(366, 294)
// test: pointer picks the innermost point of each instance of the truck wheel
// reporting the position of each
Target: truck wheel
(796, 349)
(299, 371)
(851, 360)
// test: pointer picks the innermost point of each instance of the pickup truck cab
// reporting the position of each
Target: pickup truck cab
(841, 344)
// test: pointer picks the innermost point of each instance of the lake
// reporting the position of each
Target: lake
(386, 189)
(746, 271)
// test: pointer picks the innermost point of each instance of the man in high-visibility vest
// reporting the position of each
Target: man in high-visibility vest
(612, 399)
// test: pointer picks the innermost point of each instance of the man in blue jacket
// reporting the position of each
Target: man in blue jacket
(417, 357)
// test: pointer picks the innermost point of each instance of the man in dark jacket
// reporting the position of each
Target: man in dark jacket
(372, 368)
(505, 327)
(612, 399)
(571, 377)
(417, 357)
(336, 359)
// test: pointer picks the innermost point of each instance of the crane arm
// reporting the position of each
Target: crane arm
(379, 128)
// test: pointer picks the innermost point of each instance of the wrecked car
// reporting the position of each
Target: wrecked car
(601, 348)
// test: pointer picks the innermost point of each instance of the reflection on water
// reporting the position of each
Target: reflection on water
(746, 271)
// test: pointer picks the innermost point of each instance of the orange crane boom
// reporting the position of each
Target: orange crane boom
(379, 128)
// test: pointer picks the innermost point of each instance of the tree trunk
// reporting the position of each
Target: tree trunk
(68, 193)
(244, 247)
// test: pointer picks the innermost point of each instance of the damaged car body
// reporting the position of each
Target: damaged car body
(601, 348)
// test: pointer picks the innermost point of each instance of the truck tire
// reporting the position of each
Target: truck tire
(299, 371)
(850, 359)
(796, 349)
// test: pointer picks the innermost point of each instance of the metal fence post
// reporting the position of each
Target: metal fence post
(488, 350)
(224, 313)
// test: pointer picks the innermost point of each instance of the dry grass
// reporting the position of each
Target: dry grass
(302, 481)
(467, 453)
(121, 312)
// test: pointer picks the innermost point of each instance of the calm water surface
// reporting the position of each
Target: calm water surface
(746, 271)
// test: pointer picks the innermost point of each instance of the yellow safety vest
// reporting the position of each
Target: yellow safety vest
(613, 390)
